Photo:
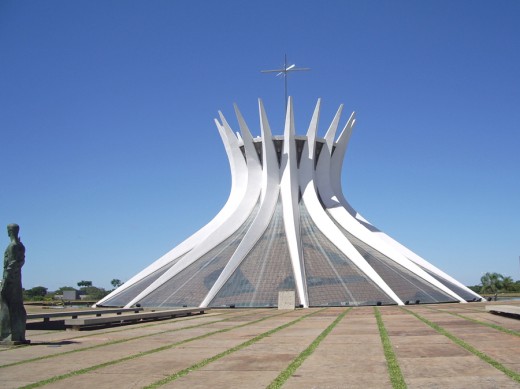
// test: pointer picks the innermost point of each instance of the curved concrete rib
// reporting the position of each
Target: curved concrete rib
(256, 188)
(268, 202)
(352, 225)
(290, 192)
(252, 175)
(238, 169)
(336, 167)
(320, 217)
(336, 162)
(421, 261)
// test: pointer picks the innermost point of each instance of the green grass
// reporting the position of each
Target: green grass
(396, 376)
(207, 361)
(297, 362)
(110, 343)
(138, 355)
(493, 362)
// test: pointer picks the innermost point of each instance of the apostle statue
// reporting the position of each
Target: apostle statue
(12, 312)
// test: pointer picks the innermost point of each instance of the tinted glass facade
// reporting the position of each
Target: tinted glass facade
(264, 272)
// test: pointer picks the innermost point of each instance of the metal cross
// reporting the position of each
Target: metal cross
(285, 71)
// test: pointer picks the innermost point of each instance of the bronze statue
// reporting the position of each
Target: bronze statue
(12, 312)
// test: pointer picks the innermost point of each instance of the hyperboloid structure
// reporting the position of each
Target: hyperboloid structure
(287, 226)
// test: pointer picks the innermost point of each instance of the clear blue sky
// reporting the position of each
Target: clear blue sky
(110, 156)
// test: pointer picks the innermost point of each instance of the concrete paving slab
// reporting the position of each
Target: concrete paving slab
(150, 367)
(404, 331)
(337, 380)
(106, 380)
(38, 370)
(268, 347)
(506, 322)
(321, 363)
(433, 350)
(348, 362)
(423, 341)
(515, 366)
(504, 355)
(496, 344)
(253, 361)
(231, 380)
(501, 343)
(288, 340)
(351, 356)
(168, 361)
(64, 364)
(269, 354)
(351, 351)
(14, 382)
(423, 366)
(480, 382)
(470, 365)
(352, 339)
(358, 330)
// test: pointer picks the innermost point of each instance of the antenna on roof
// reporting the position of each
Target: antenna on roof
(285, 71)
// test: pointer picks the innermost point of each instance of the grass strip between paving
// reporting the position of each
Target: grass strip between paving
(493, 362)
(112, 342)
(396, 376)
(297, 362)
(494, 326)
(141, 354)
(207, 361)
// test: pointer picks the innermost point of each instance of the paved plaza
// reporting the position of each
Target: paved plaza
(432, 346)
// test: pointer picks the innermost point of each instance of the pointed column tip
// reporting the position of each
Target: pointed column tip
(237, 111)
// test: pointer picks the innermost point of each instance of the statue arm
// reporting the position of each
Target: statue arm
(9, 260)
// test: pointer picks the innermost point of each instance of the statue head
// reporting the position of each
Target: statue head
(13, 230)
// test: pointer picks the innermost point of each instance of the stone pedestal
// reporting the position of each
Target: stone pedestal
(286, 299)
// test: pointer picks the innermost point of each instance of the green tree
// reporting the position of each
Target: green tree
(84, 284)
(62, 288)
(116, 283)
(36, 293)
(475, 288)
(95, 293)
(508, 285)
(491, 282)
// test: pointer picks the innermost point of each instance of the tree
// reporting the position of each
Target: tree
(491, 282)
(62, 288)
(475, 288)
(84, 284)
(95, 293)
(36, 293)
(116, 283)
(508, 285)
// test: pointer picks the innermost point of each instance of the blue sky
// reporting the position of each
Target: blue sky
(111, 157)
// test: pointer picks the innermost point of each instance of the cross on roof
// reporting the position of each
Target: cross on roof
(285, 71)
